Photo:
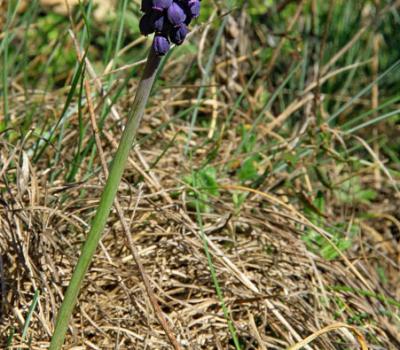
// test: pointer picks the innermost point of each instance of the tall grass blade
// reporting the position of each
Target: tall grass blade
(391, 69)
(32, 308)
(213, 272)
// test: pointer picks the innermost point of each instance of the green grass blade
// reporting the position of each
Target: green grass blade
(391, 69)
(373, 121)
(204, 80)
(75, 80)
(213, 272)
(28, 319)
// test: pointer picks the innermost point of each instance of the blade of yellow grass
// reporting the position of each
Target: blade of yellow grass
(330, 328)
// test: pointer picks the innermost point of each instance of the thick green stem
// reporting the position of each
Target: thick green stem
(106, 201)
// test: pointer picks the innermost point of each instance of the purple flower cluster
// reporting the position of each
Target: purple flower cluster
(168, 19)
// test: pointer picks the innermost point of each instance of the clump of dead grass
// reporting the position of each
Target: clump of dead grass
(43, 226)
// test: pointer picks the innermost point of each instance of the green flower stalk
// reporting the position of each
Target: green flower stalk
(168, 19)
(106, 201)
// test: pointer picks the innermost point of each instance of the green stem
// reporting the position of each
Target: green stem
(106, 201)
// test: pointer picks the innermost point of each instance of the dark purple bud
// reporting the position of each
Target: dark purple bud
(161, 5)
(154, 21)
(146, 24)
(178, 34)
(160, 45)
(194, 8)
(159, 23)
(169, 20)
(146, 6)
(176, 15)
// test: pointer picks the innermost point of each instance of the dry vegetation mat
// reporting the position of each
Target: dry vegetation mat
(262, 194)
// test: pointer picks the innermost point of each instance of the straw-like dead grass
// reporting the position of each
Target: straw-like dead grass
(277, 291)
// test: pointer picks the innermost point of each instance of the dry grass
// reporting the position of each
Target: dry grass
(278, 292)
(43, 226)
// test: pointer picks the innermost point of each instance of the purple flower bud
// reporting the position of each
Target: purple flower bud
(176, 15)
(160, 45)
(160, 24)
(178, 34)
(146, 24)
(194, 8)
(152, 22)
(161, 5)
(146, 6)
(169, 20)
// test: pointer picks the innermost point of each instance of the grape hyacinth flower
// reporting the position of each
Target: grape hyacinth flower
(168, 19)
(160, 45)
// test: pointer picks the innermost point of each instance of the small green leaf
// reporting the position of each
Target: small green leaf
(249, 169)
(204, 181)
(351, 191)
(208, 178)
(238, 199)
